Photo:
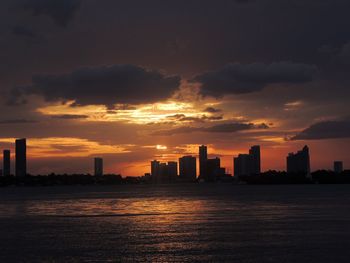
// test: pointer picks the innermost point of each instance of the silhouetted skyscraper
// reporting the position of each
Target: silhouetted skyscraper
(172, 171)
(188, 170)
(299, 162)
(98, 166)
(243, 165)
(338, 167)
(7, 162)
(21, 157)
(203, 157)
(256, 161)
(162, 172)
(213, 169)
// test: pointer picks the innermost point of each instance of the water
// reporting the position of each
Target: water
(183, 223)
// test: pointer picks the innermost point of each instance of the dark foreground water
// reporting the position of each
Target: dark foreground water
(184, 223)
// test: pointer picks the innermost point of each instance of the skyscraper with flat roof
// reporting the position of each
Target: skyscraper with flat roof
(203, 157)
(98, 166)
(256, 161)
(21, 157)
(6, 162)
(299, 162)
(188, 170)
(338, 167)
(243, 165)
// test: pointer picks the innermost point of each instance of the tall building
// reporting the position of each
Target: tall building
(188, 169)
(248, 164)
(154, 169)
(98, 166)
(172, 171)
(243, 165)
(213, 169)
(299, 162)
(203, 157)
(256, 161)
(6, 163)
(21, 157)
(338, 167)
(162, 172)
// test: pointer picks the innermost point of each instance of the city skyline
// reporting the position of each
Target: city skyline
(205, 168)
(168, 77)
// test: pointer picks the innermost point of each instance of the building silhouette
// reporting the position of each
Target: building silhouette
(203, 157)
(21, 157)
(213, 169)
(299, 162)
(163, 172)
(188, 169)
(243, 165)
(6, 163)
(98, 166)
(248, 164)
(256, 160)
(338, 167)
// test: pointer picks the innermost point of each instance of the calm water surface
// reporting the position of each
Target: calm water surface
(183, 223)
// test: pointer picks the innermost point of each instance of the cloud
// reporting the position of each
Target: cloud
(203, 118)
(61, 11)
(106, 85)
(246, 78)
(23, 31)
(325, 130)
(212, 110)
(220, 128)
(70, 116)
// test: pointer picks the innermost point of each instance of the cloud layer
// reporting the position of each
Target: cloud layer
(122, 84)
(325, 130)
(246, 78)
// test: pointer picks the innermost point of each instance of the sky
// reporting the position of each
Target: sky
(132, 81)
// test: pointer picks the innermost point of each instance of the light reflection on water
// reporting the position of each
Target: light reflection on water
(175, 224)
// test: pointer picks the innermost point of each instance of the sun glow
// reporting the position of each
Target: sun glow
(141, 114)
(66, 147)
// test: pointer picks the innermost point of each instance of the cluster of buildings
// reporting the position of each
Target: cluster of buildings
(186, 168)
(244, 165)
(20, 159)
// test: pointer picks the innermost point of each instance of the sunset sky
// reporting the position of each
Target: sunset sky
(137, 80)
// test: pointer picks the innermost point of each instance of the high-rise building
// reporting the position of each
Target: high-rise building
(213, 169)
(21, 157)
(256, 161)
(243, 165)
(6, 163)
(203, 157)
(172, 171)
(338, 167)
(154, 169)
(188, 170)
(248, 164)
(98, 166)
(162, 172)
(299, 162)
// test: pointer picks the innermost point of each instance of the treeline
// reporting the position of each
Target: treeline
(65, 179)
(318, 177)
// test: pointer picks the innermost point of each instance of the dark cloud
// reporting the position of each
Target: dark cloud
(61, 11)
(70, 116)
(184, 118)
(117, 84)
(23, 31)
(325, 130)
(246, 78)
(220, 128)
(212, 110)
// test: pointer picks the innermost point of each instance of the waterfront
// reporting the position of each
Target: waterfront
(178, 223)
